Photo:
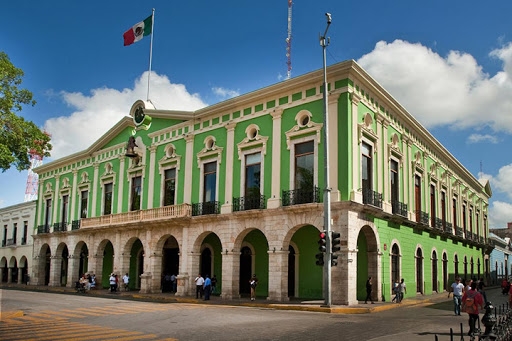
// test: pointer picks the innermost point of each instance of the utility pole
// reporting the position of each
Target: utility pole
(324, 42)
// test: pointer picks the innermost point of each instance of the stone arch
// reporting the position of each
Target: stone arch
(5, 268)
(435, 270)
(419, 266)
(367, 261)
(104, 255)
(13, 265)
(23, 266)
(133, 261)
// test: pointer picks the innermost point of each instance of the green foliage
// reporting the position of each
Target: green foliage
(18, 137)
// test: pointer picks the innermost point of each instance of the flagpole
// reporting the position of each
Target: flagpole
(151, 48)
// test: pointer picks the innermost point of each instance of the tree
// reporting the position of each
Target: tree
(18, 137)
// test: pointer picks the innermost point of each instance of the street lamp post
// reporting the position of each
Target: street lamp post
(324, 42)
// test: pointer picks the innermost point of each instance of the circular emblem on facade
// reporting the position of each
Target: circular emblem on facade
(138, 117)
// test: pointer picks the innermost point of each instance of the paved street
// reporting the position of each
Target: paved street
(52, 316)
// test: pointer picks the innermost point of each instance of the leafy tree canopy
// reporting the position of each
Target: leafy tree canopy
(18, 137)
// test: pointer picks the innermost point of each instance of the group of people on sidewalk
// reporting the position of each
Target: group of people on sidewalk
(205, 286)
(114, 282)
(399, 288)
(469, 298)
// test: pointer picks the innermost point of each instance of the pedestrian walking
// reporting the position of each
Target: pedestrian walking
(472, 301)
(126, 281)
(253, 282)
(199, 286)
(402, 289)
(368, 291)
(481, 289)
(457, 289)
(396, 291)
(207, 287)
(174, 282)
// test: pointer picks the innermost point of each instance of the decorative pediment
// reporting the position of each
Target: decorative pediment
(366, 128)
(253, 141)
(305, 126)
(394, 148)
(48, 188)
(210, 150)
(65, 183)
(84, 178)
(170, 158)
(417, 162)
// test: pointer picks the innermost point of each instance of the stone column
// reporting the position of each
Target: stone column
(9, 275)
(189, 155)
(278, 275)
(195, 261)
(151, 184)
(183, 285)
(230, 275)
(356, 194)
(20, 276)
(95, 191)
(55, 268)
(73, 266)
(156, 269)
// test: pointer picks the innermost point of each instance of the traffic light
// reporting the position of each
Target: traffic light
(334, 259)
(335, 247)
(335, 242)
(320, 259)
(322, 242)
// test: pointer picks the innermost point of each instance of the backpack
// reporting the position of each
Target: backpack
(469, 305)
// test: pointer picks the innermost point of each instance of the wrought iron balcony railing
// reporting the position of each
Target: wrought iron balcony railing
(439, 224)
(300, 196)
(399, 208)
(459, 232)
(43, 229)
(75, 225)
(422, 217)
(10, 242)
(448, 228)
(252, 202)
(60, 226)
(203, 208)
(370, 197)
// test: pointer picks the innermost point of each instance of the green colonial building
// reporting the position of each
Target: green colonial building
(236, 189)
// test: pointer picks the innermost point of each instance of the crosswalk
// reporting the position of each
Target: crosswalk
(57, 325)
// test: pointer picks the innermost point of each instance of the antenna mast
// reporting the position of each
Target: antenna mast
(289, 41)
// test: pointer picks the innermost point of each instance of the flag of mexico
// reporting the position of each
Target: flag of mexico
(138, 31)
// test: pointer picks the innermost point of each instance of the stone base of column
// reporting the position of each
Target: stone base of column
(145, 283)
(182, 287)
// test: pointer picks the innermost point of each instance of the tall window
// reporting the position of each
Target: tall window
(48, 213)
(366, 167)
(417, 197)
(464, 217)
(65, 201)
(304, 166)
(210, 181)
(14, 233)
(25, 233)
(477, 222)
(84, 200)
(107, 198)
(443, 208)
(4, 241)
(471, 220)
(136, 189)
(393, 169)
(433, 214)
(252, 175)
(454, 212)
(169, 186)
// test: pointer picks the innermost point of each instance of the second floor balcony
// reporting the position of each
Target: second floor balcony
(252, 202)
(399, 208)
(301, 196)
(10, 242)
(370, 197)
(60, 227)
(43, 229)
(422, 217)
(153, 214)
(204, 208)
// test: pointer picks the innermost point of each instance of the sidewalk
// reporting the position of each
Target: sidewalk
(314, 306)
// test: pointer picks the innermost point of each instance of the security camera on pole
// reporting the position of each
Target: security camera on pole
(327, 192)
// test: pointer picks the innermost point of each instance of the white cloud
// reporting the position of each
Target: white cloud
(476, 138)
(225, 93)
(500, 213)
(502, 182)
(96, 113)
(444, 91)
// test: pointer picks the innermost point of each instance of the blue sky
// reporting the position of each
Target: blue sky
(448, 62)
